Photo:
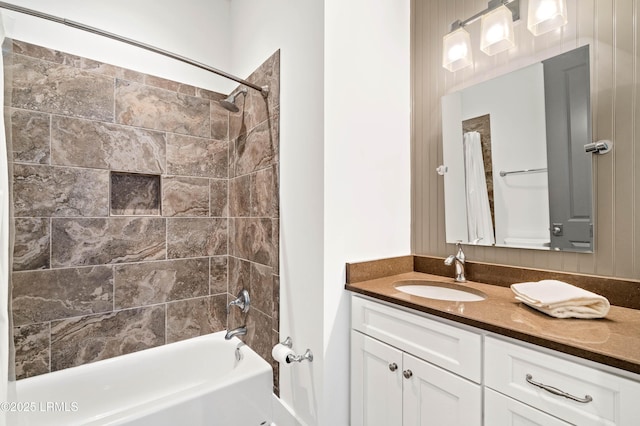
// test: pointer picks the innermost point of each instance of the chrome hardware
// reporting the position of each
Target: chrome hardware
(516, 172)
(556, 391)
(557, 229)
(407, 374)
(308, 355)
(242, 301)
(299, 358)
(240, 331)
(600, 147)
(238, 353)
(459, 259)
(393, 366)
(442, 169)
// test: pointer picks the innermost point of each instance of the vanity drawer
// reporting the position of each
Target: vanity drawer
(504, 411)
(451, 348)
(601, 398)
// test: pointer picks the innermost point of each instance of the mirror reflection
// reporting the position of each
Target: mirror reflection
(517, 173)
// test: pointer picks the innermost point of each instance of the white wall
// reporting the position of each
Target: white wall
(367, 162)
(200, 32)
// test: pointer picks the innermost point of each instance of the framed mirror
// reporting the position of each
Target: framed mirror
(516, 173)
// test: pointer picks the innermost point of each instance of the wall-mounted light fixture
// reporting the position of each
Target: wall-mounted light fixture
(496, 31)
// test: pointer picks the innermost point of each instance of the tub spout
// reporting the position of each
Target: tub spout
(240, 331)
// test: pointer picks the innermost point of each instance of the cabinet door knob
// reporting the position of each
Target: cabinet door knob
(407, 374)
(393, 366)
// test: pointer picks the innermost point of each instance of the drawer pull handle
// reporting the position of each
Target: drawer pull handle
(557, 391)
(407, 374)
(393, 366)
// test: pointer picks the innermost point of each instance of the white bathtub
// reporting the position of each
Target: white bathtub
(194, 382)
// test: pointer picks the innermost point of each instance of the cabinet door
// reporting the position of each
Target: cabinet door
(504, 411)
(376, 382)
(436, 397)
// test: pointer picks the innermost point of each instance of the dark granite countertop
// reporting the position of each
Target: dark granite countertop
(613, 340)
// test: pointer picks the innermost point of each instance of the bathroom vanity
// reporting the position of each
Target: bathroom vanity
(493, 362)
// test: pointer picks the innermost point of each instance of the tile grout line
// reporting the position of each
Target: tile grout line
(166, 322)
(113, 277)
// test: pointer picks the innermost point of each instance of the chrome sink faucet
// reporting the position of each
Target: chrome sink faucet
(459, 259)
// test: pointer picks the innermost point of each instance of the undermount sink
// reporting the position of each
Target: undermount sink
(439, 290)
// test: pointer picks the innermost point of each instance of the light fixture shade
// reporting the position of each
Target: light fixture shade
(496, 31)
(546, 15)
(456, 50)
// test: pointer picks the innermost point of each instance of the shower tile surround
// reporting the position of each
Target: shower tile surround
(141, 207)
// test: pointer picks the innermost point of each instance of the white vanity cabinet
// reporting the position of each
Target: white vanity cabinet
(407, 369)
(415, 369)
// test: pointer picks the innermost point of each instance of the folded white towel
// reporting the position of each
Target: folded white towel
(561, 300)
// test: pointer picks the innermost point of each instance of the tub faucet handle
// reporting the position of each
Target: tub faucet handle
(243, 301)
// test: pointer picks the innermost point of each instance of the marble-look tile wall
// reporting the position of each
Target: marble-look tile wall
(254, 225)
(140, 208)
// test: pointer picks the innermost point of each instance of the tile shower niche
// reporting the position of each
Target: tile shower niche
(134, 194)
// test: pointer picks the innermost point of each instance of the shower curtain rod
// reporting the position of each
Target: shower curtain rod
(93, 30)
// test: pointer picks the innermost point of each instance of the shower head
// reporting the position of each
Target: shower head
(229, 103)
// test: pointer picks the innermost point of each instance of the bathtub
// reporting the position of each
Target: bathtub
(199, 381)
